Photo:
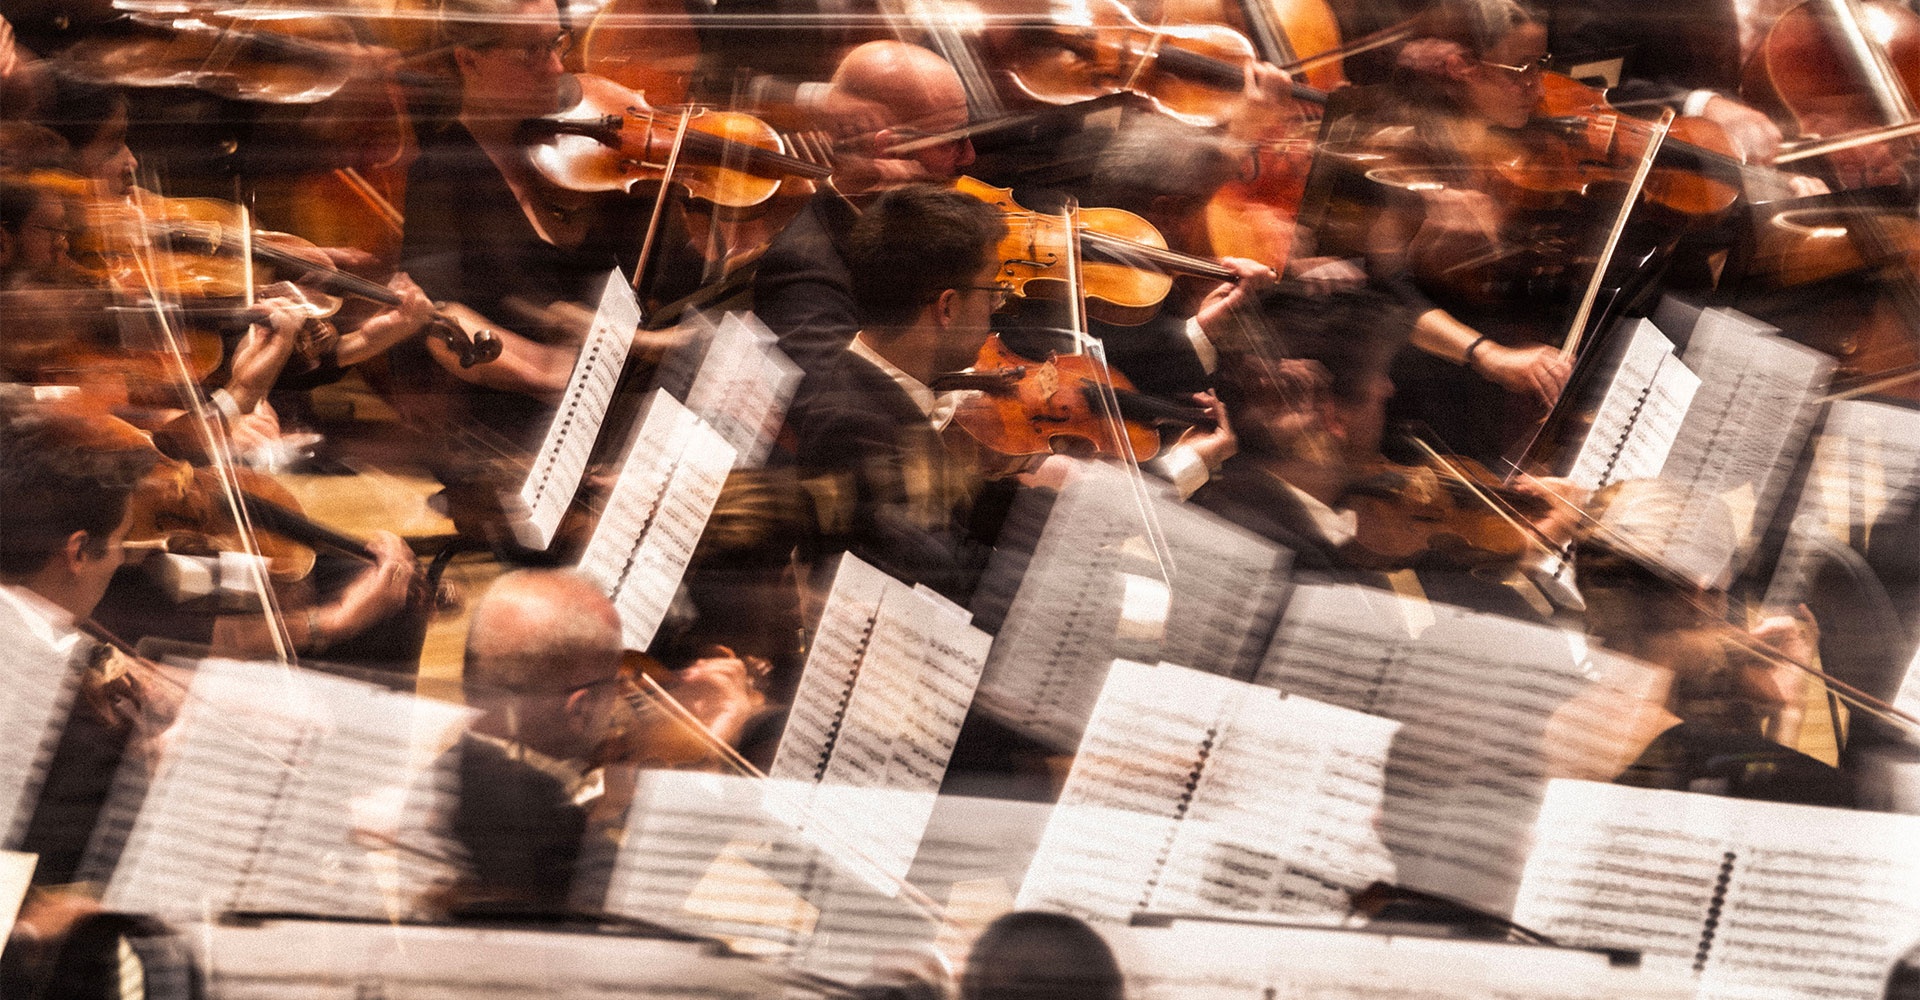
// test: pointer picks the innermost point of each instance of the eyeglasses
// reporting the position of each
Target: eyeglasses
(1001, 290)
(1524, 71)
(559, 45)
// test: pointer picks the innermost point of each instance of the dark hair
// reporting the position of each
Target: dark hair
(17, 202)
(1352, 334)
(1476, 25)
(1029, 955)
(79, 110)
(54, 481)
(914, 243)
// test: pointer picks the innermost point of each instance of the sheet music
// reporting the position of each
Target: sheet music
(1740, 437)
(1639, 414)
(707, 853)
(743, 387)
(254, 805)
(1490, 708)
(669, 481)
(1092, 592)
(1197, 793)
(1755, 898)
(555, 474)
(1865, 471)
(1201, 960)
(880, 703)
(37, 688)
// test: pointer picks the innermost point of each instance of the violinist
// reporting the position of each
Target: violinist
(866, 426)
(1738, 713)
(882, 93)
(1485, 280)
(65, 498)
(505, 250)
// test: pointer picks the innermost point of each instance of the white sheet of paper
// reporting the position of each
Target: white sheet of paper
(744, 386)
(558, 467)
(669, 482)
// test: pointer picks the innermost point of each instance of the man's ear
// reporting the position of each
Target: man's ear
(946, 305)
(1459, 67)
(1331, 415)
(78, 549)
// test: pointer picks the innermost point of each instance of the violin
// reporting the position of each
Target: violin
(1124, 286)
(1023, 405)
(271, 56)
(611, 139)
(1195, 73)
(1448, 507)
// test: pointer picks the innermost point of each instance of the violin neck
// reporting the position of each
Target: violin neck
(270, 516)
(1140, 255)
(1201, 69)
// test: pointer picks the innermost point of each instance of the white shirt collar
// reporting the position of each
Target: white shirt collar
(45, 620)
(938, 409)
(1336, 526)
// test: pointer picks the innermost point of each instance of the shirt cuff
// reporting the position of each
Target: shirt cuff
(1209, 357)
(1696, 102)
(1183, 467)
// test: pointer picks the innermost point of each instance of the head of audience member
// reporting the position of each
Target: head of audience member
(1308, 384)
(92, 119)
(1484, 57)
(65, 483)
(1030, 955)
(542, 662)
(925, 277)
(896, 93)
(507, 54)
(34, 233)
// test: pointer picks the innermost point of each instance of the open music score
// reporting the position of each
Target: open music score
(670, 479)
(743, 387)
(1090, 591)
(557, 469)
(1865, 472)
(1741, 437)
(1755, 899)
(256, 806)
(1489, 707)
(885, 689)
(708, 854)
(38, 684)
(1639, 413)
(1193, 793)
(1182, 961)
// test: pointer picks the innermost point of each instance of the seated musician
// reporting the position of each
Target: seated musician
(1484, 279)
(504, 249)
(866, 425)
(1739, 713)
(890, 92)
(1311, 420)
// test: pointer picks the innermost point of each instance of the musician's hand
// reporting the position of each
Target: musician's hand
(263, 352)
(259, 430)
(1566, 506)
(1251, 279)
(1538, 371)
(1266, 104)
(721, 690)
(1213, 447)
(1756, 139)
(378, 592)
(388, 327)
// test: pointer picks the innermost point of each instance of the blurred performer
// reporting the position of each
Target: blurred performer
(506, 250)
(1028, 954)
(65, 489)
(1739, 713)
(542, 666)
(882, 94)
(865, 422)
(1486, 277)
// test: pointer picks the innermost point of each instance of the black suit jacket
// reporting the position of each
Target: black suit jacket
(802, 289)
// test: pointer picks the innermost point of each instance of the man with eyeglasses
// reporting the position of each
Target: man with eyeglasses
(867, 428)
(498, 246)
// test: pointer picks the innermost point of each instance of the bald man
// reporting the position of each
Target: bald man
(883, 94)
(542, 667)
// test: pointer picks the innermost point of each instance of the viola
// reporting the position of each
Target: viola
(611, 139)
(1023, 405)
(1128, 275)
